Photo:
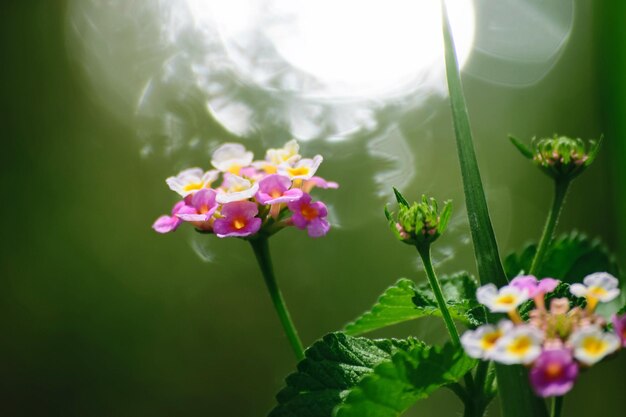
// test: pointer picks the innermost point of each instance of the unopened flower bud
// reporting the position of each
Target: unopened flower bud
(560, 157)
(419, 223)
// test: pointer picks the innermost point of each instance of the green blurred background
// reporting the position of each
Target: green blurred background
(100, 316)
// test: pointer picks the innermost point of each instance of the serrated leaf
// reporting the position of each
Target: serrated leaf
(524, 150)
(406, 301)
(331, 366)
(570, 258)
(409, 377)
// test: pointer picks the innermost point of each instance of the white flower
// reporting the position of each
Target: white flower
(600, 286)
(591, 344)
(287, 154)
(191, 180)
(303, 169)
(522, 344)
(505, 300)
(481, 342)
(231, 157)
(235, 188)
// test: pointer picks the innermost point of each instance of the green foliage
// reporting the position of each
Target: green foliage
(406, 301)
(569, 258)
(516, 397)
(409, 377)
(331, 366)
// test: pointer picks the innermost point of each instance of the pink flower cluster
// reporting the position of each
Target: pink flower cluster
(241, 197)
(557, 340)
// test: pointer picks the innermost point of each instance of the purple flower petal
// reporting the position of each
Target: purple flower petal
(553, 373)
(166, 224)
(318, 228)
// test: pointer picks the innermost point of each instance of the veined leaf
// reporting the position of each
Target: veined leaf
(516, 397)
(406, 301)
(331, 366)
(570, 258)
(409, 377)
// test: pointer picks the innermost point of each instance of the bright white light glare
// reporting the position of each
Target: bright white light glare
(359, 48)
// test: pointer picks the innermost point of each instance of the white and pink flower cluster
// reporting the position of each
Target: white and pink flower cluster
(241, 196)
(557, 340)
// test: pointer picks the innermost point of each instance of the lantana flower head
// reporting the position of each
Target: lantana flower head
(242, 198)
(555, 341)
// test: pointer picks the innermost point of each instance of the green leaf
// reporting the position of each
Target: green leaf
(400, 198)
(409, 377)
(516, 397)
(406, 301)
(331, 366)
(570, 258)
(524, 150)
(593, 151)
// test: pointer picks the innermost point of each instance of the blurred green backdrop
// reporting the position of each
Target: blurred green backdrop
(100, 316)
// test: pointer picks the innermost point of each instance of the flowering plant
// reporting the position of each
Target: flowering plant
(554, 328)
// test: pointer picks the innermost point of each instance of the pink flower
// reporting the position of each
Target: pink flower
(204, 205)
(318, 182)
(310, 216)
(535, 289)
(166, 224)
(619, 327)
(274, 189)
(238, 220)
(554, 373)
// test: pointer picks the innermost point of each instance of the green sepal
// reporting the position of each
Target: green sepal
(594, 148)
(400, 198)
(524, 150)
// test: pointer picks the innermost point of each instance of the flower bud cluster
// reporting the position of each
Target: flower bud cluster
(420, 223)
(557, 340)
(560, 157)
(241, 197)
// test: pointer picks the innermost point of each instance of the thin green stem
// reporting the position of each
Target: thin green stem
(557, 406)
(560, 191)
(261, 250)
(424, 252)
(441, 302)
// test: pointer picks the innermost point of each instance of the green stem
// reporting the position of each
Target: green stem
(560, 191)
(557, 406)
(261, 250)
(424, 252)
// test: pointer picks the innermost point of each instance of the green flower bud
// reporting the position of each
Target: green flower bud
(420, 223)
(560, 157)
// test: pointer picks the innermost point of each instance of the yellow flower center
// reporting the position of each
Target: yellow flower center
(308, 212)
(594, 346)
(489, 340)
(275, 193)
(507, 299)
(239, 224)
(270, 169)
(553, 370)
(234, 169)
(194, 186)
(520, 345)
(298, 171)
(597, 292)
